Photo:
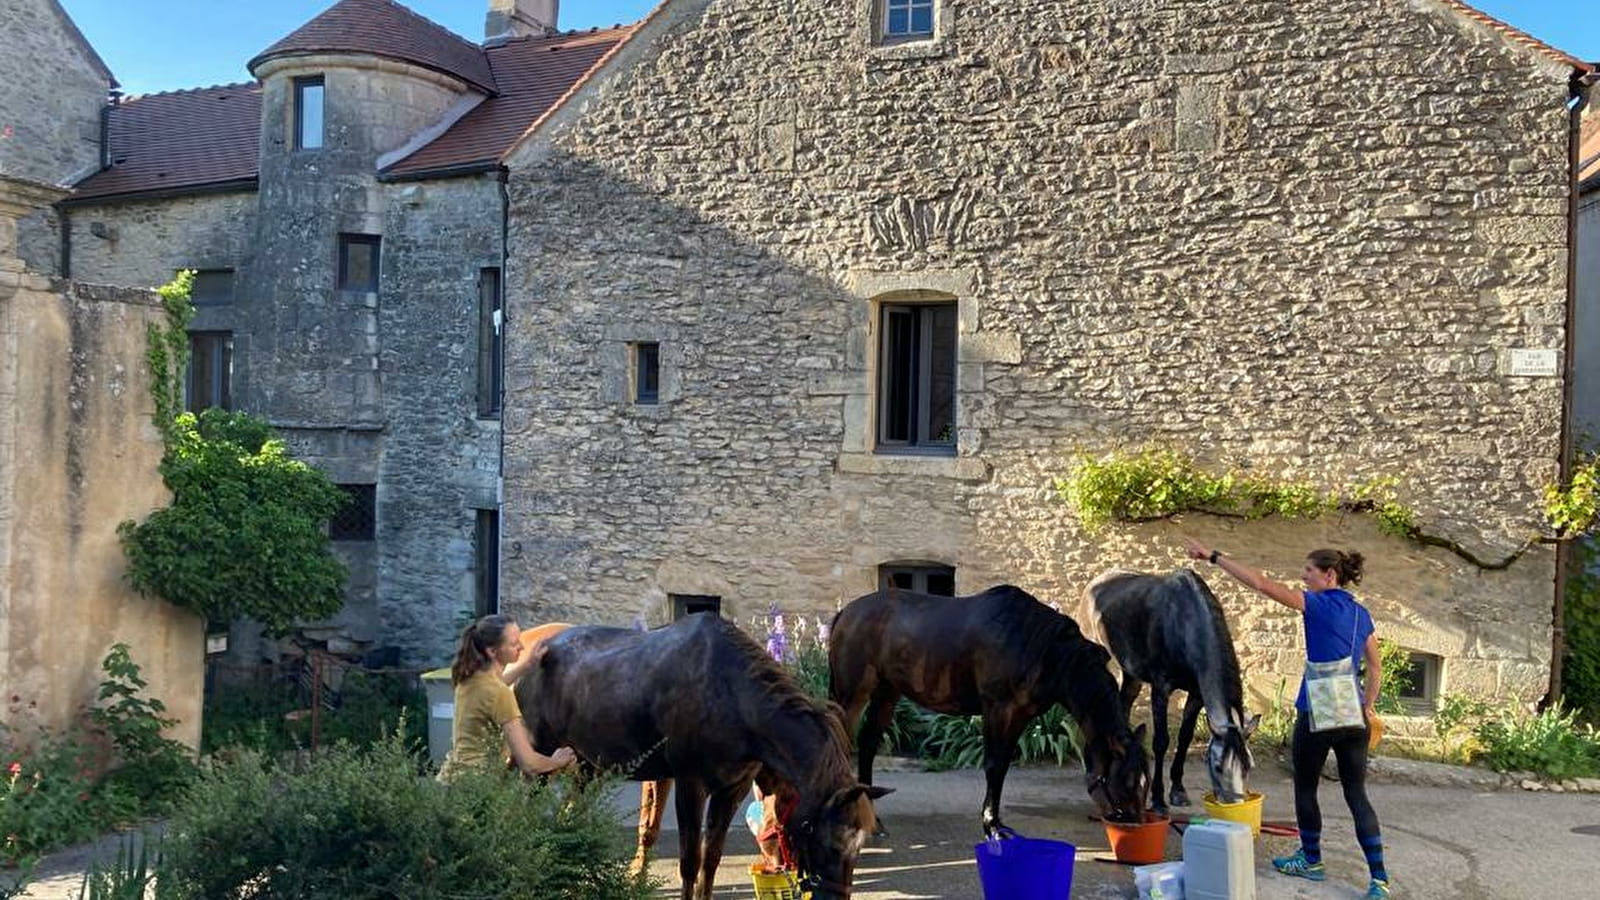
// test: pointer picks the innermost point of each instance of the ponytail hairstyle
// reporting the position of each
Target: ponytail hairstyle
(477, 640)
(1345, 565)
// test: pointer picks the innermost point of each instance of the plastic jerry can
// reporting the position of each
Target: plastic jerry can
(1219, 861)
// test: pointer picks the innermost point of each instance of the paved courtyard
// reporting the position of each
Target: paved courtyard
(1445, 843)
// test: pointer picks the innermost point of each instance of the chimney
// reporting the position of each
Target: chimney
(520, 18)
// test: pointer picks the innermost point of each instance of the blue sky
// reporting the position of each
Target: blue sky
(162, 45)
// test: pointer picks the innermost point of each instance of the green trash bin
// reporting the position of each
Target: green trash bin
(441, 713)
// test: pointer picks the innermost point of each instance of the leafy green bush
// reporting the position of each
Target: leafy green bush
(1550, 743)
(1276, 727)
(1580, 664)
(1396, 674)
(956, 742)
(253, 714)
(127, 879)
(359, 824)
(150, 768)
(48, 797)
(906, 730)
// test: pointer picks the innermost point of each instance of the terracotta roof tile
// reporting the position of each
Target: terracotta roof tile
(385, 28)
(177, 140)
(1517, 35)
(533, 73)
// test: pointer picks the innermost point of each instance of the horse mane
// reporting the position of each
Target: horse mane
(1043, 640)
(1232, 683)
(779, 689)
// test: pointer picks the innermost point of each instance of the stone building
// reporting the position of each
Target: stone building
(809, 298)
(346, 215)
(53, 87)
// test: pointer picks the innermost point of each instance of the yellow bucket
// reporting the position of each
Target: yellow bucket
(1246, 811)
(776, 885)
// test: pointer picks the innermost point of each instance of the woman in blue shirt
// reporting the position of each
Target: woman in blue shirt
(1336, 626)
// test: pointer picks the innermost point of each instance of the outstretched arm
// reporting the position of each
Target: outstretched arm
(529, 760)
(527, 659)
(1254, 579)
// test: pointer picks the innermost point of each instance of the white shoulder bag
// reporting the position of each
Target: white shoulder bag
(1332, 694)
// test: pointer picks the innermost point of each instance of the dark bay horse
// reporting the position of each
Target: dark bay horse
(701, 703)
(1000, 654)
(1168, 631)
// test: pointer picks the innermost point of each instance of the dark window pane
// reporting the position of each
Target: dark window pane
(942, 583)
(357, 519)
(904, 581)
(358, 262)
(491, 343)
(647, 373)
(210, 370)
(937, 580)
(917, 379)
(212, 287)
(691, 604)
(308, 113)
(899, 344)
(486, 553)
(941, 374)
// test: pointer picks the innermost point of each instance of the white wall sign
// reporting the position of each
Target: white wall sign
(1533, 363)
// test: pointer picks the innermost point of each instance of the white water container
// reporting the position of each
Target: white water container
(1219, 861)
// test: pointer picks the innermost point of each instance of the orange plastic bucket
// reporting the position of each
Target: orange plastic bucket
(1139, 844)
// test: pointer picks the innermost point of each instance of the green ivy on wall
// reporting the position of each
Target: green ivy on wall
(1155, 484)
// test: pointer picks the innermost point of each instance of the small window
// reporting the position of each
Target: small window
(491, 344)
(690, 604)
(1419, 693)
(357, 519)
(917, 378)
(486, 557)
(212, 287)
(210, 381)
(647, 373)
(358, 262)
(908, 18)
(308, 113)
(918, 578)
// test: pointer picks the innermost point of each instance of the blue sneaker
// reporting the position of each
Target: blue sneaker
(1297, 865)
(1377, 890)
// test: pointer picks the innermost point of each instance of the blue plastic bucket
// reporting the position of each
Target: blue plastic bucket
(1020, 868)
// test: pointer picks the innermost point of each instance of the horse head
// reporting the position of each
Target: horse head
(1228, 759)
(1118, 773)
(827, 834)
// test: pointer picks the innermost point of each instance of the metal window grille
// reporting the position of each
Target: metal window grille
(357, 519)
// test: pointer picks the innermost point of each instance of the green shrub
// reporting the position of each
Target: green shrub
(370, 706)
(151, 769)
(1396, 673)
(47, 797)
(1580, 664)
(1550, 743)
(956, 742)
(906, 730)
(127, 879)
(1455, 728)
(359, 824)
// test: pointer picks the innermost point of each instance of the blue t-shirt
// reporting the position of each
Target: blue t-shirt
(1336, 625)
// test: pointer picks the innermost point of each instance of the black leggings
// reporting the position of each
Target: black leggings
(1349, 746)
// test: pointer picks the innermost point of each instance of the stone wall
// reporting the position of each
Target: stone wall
(51, 94)
(145, 242)
(78, 454)
(1298, 238)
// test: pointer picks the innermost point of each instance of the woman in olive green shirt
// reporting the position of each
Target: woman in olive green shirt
(488, 723)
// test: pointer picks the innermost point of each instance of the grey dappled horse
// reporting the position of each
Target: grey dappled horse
(1168, 631)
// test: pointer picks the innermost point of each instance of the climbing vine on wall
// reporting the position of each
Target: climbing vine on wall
(246, 534)
(1155, 484)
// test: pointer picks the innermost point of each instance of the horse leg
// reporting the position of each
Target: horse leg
(652, 808)
(691, 800)
(1000, 733)
(1158, 713)
(1191, 714)
(719, 814)
(1129, 693)
(880, 712)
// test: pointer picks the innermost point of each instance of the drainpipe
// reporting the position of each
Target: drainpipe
(1579, 99)
(502, 176)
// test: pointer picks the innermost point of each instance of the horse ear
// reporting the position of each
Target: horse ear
(875, 792)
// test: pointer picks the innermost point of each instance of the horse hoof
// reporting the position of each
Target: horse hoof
(1180, 797)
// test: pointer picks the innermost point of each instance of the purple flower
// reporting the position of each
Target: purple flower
(777, 640)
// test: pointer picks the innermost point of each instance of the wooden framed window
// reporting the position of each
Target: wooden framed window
(308, 113)
(210, 381)
(357, 519)
(918, 577)
(903, 19)
(358, 262)
(917, 378)
(212, 287)
(646, 373)
(486, 562)
(690, 604)
(491, 344)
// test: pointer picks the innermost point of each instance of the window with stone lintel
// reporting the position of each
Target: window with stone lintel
(308, 113)
(358, 262)
(917, 377)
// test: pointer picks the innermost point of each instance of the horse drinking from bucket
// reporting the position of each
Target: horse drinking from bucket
(699, 702)
(1168, 631)
(1000, 654)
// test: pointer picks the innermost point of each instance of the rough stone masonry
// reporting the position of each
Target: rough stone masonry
(1294, 239)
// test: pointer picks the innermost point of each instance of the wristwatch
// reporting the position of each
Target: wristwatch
(1214, 555)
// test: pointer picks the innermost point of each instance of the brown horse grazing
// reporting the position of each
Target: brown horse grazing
(1000, 654)
(701, 703)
